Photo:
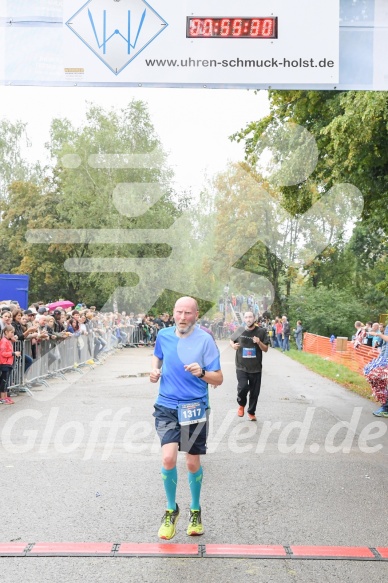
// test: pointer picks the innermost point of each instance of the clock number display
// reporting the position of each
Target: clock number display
(228, 27)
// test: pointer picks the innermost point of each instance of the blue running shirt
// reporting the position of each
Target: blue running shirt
(176, 384)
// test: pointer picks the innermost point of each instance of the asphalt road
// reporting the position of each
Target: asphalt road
(79, 461)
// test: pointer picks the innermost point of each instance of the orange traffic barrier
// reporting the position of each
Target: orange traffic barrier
(341, 351)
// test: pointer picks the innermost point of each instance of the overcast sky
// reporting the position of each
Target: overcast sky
(193, 124)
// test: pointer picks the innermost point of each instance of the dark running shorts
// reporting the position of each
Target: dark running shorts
(190, 438)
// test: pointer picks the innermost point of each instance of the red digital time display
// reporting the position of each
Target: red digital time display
(228, 27)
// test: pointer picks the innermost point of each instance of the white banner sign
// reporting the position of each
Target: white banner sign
(224, 42)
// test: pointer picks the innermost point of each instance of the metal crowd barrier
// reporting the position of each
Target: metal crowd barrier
(54, 358)
(17, 375)
(222, 332)
(136, 336)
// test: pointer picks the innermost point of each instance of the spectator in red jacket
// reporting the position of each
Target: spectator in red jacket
(7, 355)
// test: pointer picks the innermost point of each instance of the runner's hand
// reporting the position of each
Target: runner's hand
(194, 368)
(155, 375)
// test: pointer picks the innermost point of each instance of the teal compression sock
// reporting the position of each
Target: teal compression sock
(195, 483)
(170, 480)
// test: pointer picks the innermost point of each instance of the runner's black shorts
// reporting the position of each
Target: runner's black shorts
(190, 438)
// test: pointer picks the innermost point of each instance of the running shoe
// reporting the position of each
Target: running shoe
(240, 411)
(195, 527)
(382, 412)
(168, 526)
(252, 417)
(8, 401)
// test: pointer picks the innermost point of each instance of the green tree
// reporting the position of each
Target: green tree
(13, 166)
(93, 192)
(81, 192)
(246, 230)
(350, 129)
(27, 207)
(326, 311)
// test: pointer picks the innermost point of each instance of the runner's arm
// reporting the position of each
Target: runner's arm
(234, 345)
(380, 334)
(156, 365)
(263, 347)
(212, 377)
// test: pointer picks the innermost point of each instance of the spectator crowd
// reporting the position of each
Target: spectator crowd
(28, 335)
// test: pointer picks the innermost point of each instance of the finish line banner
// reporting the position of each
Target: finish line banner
(217, 43)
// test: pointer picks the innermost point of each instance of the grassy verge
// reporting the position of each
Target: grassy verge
(335, 372)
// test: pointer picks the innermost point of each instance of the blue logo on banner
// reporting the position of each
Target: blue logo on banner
(118, 32)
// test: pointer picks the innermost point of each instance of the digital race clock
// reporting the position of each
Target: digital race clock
(228, 27)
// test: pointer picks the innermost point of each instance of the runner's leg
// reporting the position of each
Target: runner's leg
(242, 387)
(169, 473)
(254, 384)
(195, 476)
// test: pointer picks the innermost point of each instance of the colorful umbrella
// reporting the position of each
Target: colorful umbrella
(64, 304)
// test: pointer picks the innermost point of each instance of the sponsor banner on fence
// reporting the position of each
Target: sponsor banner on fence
(274, 41)
(174, 42)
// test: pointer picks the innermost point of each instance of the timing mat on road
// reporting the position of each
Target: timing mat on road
(223, 551)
